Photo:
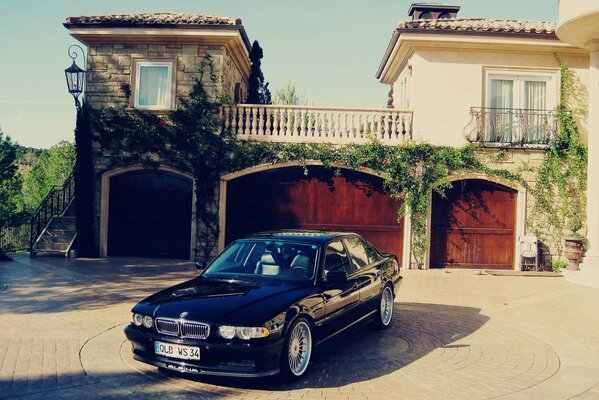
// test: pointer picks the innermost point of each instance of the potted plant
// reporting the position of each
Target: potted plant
(574, 243)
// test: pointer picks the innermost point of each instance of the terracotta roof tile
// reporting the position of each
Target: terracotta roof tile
(162, 18)
(480, 25)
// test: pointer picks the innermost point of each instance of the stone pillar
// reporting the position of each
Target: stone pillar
(591, 260)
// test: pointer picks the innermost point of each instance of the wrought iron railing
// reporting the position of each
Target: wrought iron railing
(512, 127)
(54, 204)
(282, 123)
(14, 235)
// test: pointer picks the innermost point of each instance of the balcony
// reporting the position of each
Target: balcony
(294, 124)
(510, 127)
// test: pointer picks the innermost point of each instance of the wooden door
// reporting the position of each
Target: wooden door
(473, 226)
(288, 199)
(150, 215)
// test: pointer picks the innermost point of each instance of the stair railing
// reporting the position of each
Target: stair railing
(54, 204)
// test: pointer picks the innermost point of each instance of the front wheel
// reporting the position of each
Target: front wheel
(385, 311)
(297, 349)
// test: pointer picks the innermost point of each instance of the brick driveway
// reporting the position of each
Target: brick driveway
(456, 335)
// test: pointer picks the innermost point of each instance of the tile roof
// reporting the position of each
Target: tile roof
(161, 19)
(480, 25)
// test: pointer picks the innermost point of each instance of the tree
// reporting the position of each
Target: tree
(288, 95)
(10, 182)
(52, 169)
(258, 92)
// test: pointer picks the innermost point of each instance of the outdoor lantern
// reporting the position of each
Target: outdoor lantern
(75, 76)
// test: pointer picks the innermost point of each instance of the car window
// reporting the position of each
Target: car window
(357, 251)
(336, 258)
(266, 258)
(373, 254)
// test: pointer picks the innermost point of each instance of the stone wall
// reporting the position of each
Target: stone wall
(112, 65)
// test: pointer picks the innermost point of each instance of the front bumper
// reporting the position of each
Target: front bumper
(397, 284)
(249, 360)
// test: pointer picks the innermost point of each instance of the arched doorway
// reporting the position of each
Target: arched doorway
(285, 198)
(149, 214)
(474, 226)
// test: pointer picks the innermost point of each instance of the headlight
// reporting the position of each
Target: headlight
(138, 319)
(226, 332)
(242, 332)
(148, 322)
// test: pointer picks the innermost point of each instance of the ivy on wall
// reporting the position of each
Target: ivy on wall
(191, 140)
(560, 187)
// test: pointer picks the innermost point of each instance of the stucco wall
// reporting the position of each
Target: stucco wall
(444, 84)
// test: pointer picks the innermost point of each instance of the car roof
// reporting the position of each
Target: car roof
(299, 235)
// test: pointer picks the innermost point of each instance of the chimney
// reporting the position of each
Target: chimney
(433, 11)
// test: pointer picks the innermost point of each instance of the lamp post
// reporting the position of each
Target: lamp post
(74, 75)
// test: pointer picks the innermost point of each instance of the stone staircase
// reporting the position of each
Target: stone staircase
(58, 236)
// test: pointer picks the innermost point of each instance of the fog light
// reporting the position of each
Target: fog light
(148, 322)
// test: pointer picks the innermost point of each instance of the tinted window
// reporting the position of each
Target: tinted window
(357, 251)
(373, 255)
(336, 258)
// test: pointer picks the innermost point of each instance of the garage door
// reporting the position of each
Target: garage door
(286, 199)
(473, 226)
(150, 215)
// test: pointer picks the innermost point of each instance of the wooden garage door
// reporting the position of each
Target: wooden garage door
(150, 215)
(473, 227)
(287, 199)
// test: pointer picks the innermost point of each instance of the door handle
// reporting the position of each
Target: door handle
(355, 286)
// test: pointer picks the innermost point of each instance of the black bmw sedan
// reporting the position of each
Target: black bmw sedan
(264, 304)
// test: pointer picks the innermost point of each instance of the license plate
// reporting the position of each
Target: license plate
(177, 351)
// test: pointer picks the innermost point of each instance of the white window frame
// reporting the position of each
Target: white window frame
(170, 78)
(551, 77)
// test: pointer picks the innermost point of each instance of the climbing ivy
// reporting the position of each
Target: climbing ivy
(560, 187)
(191, 140)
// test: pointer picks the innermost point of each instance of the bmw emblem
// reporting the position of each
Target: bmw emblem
(184, 314)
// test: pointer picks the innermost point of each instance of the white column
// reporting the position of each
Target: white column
(591, 260)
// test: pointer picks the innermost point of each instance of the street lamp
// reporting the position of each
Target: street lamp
(75, 75)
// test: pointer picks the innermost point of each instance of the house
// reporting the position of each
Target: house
(454, 81)
(491, 82)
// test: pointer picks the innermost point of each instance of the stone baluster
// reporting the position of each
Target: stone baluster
(248, 121)
(310, 132)
(295, 114)
(303, 123)
(233, 123)
(268, 121)
(260, 116)
(254, 111)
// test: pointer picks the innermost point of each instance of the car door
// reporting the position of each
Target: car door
(341, 298)
(367, 263)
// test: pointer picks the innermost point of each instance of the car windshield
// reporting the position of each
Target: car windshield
(269, 259)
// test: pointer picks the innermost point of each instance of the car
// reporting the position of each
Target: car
(265, 303)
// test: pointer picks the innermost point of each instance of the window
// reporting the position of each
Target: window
(357, 251)
(336, 258)
(154, 85)
(520, 105)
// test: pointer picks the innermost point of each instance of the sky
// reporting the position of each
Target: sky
(329, 49)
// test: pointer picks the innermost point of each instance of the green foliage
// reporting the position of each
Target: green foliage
(52, 168)
(84, 183)
(288, 95)
(10, 182)
(557, 266)
(560, 188)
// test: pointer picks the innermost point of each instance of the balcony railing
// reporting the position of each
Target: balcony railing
(512, 127)
(279, 123)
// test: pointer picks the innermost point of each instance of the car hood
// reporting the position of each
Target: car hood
(224, 301)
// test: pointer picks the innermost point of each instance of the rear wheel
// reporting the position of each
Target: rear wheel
(297, 349)
(385, 311)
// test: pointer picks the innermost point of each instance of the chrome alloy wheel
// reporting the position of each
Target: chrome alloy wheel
(299, 348)
(386, 308)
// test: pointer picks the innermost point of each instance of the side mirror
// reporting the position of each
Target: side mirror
(337, 277)
(200, 266)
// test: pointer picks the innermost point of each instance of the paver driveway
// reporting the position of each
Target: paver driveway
(455, 335)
